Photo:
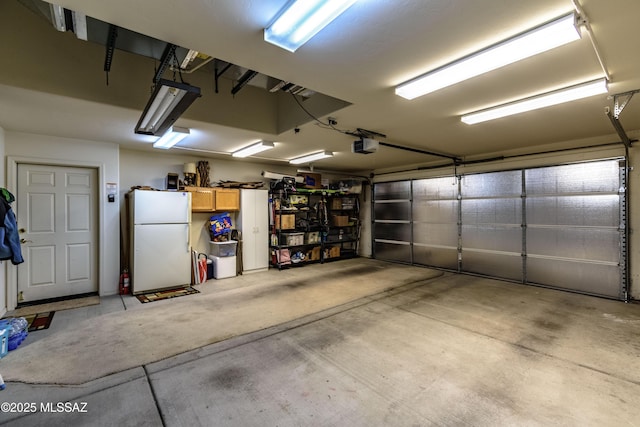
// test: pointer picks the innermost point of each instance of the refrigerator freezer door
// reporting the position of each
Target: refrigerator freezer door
(161, 258)
(161, 207)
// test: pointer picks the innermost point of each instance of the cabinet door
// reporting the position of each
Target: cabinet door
(202, 199)
(227, 199)
(254, 218)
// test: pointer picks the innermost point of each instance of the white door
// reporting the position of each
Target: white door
(57, 218)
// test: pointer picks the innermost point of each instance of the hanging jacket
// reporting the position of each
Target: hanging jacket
(10, 248)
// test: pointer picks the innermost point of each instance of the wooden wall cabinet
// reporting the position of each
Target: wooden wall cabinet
(227, 199)
(202, 199)
(208, 199)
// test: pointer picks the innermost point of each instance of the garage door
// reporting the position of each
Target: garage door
(575, 227)
(559, 226)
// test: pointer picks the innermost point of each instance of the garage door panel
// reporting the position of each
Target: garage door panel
(393, 211)
(595, 177)
(436, 234)
(492, 237)
(593, 278)
(392, 190)
(578, 243)
(507, 183)
(602, 210)
(492, 211)
(435, 188)
(393, 231)
(506, 266)
(435, 211)
(390, 251)
(436, 256)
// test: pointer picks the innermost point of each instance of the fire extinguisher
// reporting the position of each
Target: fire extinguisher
(124, 282)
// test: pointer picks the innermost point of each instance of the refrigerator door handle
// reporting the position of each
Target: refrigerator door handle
(189, 238)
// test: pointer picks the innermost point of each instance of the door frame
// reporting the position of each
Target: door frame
(12, 185)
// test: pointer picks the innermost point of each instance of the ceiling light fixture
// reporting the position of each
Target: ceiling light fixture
(253, 149)
(302, 19)
(168, 101)
(540, 39)
(571, 93)
(172, 137)
(311, 157)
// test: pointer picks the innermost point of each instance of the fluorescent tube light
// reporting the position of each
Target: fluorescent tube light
(548, 99)
(57, 17)
(168, 101)
(190, 56)
(172, 137)
(546, 37)
(253, 149)
(311, 157)
(302, 19)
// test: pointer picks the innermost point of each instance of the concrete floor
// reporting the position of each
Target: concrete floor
(455, 350)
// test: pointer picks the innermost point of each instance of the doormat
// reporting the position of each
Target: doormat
(39, 321)
(166, 294)
(36, 321)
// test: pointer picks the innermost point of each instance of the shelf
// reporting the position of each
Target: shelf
(294, 246)
(331, 213)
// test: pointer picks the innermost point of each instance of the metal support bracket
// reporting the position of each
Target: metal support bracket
(620, 101)
(217, 74)
(243, 80)
(110, 48)
(167, 56)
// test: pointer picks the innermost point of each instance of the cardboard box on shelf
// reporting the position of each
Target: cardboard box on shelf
(285, 221)
(339, 220)
(313, 254)
(311, 180)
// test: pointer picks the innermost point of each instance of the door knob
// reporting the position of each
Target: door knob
(25, 241)
(22, 230)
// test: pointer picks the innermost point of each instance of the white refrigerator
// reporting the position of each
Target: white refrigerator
(159, 240)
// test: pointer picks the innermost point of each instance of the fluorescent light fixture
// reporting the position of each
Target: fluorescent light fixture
(253, 149)
(172, 137)
(57, 17)
(311, 157)
(168, 101)
(302, 19)
(190, 56)
(546, 37)
(80, 25)
(571, 93)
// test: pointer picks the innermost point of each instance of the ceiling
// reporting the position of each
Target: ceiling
(54, 84)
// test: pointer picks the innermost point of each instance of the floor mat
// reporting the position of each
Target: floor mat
(166, 294)
(39, 321)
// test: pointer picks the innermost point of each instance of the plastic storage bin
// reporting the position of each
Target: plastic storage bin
(223, 249)
(223, 267)
(5, 329)
(292, 239)
(312, 237)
